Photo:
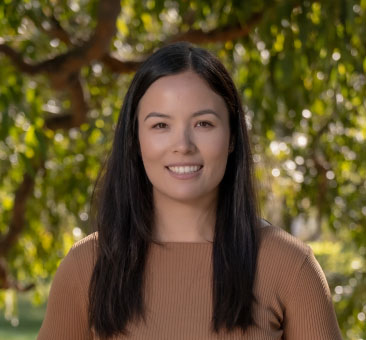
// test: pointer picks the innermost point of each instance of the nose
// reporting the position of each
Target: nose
(183, 141)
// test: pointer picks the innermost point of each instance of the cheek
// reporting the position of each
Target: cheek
(150, 147)
(215, 152)
(216, 143)
(151, 154)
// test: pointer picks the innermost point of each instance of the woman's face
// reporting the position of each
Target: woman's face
(184, 136)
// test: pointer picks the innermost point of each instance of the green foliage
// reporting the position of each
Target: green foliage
(28, 321)
(301, 74)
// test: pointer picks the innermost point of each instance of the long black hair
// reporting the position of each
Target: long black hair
(124, 208)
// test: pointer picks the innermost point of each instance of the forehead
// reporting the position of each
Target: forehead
(185, 91)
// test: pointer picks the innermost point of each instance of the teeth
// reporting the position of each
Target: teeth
(184, 169)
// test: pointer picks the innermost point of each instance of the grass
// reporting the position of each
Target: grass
(30, 320)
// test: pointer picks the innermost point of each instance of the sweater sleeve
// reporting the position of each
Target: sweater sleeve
(66, 314)
(309, 311)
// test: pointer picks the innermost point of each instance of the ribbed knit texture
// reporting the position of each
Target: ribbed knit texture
(293, 298)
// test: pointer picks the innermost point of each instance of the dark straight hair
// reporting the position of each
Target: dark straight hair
(124, 208)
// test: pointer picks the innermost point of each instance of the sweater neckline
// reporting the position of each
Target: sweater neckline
(181, 243)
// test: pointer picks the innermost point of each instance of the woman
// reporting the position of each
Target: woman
(180, 251)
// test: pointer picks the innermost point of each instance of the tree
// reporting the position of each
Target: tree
(299, 65)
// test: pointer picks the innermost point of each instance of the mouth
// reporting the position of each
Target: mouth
(186, 169)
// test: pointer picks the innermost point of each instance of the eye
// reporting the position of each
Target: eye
(159, 126)
(204, 124)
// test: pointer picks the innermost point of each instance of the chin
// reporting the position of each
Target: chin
(183, 196)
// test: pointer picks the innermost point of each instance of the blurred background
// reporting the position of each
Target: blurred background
(64, 70)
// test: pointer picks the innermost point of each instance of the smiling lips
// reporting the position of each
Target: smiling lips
(187, 169)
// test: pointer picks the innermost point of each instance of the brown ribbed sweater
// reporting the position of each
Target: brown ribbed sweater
(293, 298)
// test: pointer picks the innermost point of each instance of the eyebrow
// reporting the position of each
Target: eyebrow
(196, 114)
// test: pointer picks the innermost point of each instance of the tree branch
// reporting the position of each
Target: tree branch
(79, 105)
(18, 60)
(119, 66)
(96, 47)
(232, 32)
(50, 25)
(57, 31)
(59, 121)
(70, 62)
(322, 166)
(7, 282)
(17, 221)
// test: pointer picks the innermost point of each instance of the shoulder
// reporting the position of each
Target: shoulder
(67, 307)
(275, 244)
(280, 259)
(84, 251)
(86, 245)
(79, 261)
(291, 281)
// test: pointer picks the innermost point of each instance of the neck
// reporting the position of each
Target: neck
(177, 221)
